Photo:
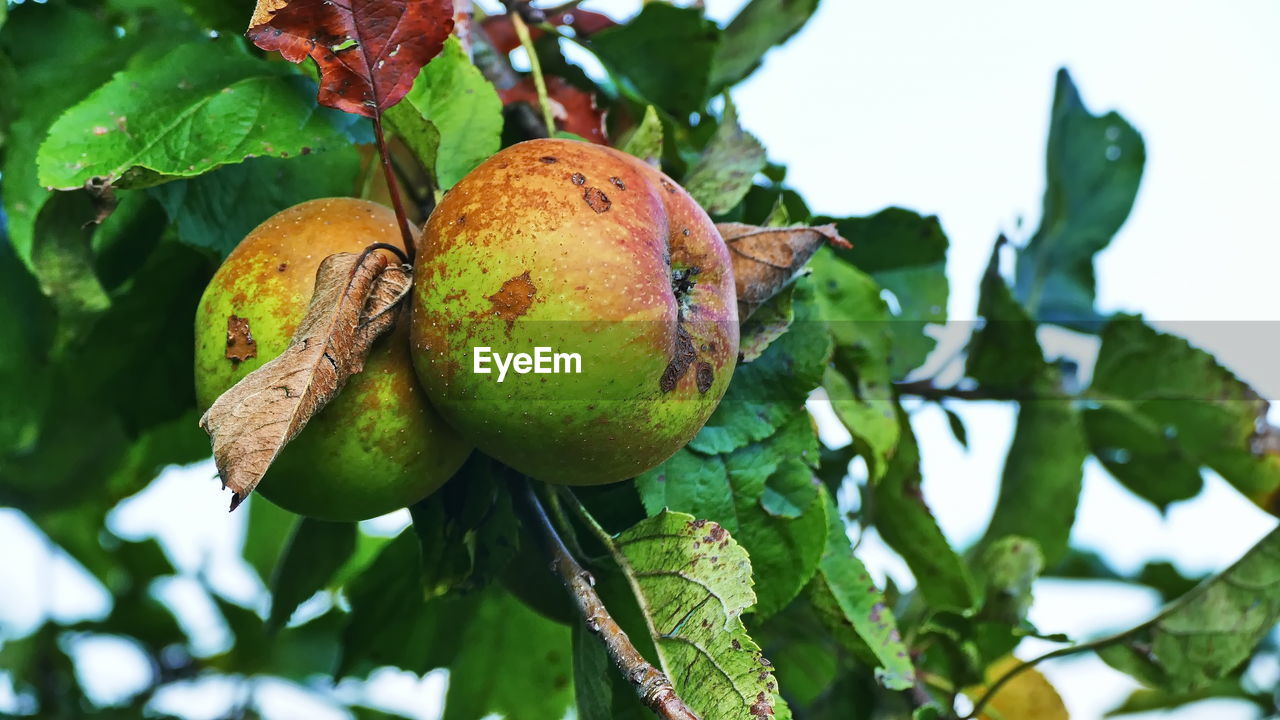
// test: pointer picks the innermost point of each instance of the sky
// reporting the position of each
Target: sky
(940, 107)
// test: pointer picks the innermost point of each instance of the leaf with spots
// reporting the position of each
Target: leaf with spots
(199, 107)
(848, 601)
(723, 174)
(692, 581)
(369, 51)
(353, 304)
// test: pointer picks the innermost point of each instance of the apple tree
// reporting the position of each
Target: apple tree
(681, 564)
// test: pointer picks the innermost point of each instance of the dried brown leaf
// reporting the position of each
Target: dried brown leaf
(766, 259)
(353, 304)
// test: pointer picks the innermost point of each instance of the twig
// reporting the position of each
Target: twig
(927, 390)
(535, 65)
(393, 186)
(651, 684)
(1027, 664)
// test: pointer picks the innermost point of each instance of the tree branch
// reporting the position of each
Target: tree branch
(927, 390)
(651, 684)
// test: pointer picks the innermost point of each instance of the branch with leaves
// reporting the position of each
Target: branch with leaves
(651, 684)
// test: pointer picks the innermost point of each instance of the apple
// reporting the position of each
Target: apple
(574, 313)
(379, 445)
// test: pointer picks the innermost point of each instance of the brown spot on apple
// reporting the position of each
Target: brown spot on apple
(617, 182)
(514, 298)
(681, 358)
(597, 200)
(240, 343)
(706, 377)
(578, 178)
(548, 160)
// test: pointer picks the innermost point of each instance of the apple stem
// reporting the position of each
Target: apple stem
(393, 186)
(535, 67)
(651, 684)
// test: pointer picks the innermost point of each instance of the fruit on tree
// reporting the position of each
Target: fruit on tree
(379, 445)
(581, 250)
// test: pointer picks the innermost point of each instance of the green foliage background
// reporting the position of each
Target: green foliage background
(202, 137)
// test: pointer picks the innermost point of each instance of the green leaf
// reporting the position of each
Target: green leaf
(24, 341)
(1165, 409)
(1206, 634)
(725, 170)
(62, 260)
(693, 584)
(645, 141)
(504, 628)
(859, 387)
(199, 107)
(391, 622)
(906, 254)
(664, 54)
(455, 98)
(768, 392)
(1094, 165)
(592, 689)
(60, 54)
(266, 532)
(468, 528)
(760, 25)
(1009, 568)
(218, 209)
(848, 600)
(782, 527)
(315, 551)
(1004, 352)
(1043, 476)
(909, 527)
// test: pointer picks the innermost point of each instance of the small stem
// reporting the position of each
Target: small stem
(1027, 664)
(535, 66)
(651, 684)
(393, 186)
(927, 390)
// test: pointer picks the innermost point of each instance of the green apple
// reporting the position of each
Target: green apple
(574, 312)
(379, 445)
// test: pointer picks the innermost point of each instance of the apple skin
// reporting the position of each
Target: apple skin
(379, 445)
(571, 246)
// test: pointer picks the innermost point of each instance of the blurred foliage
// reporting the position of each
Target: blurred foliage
(202, 137)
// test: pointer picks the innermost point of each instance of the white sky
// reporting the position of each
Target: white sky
(941, 107)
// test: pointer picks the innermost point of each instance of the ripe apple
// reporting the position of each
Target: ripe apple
(581, 250)
(379, 445)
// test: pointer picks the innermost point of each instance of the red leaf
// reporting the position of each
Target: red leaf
(502, 35)
(574, 110)
(369, 51)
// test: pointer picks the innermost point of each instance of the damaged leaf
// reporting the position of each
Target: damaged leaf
(351, 307)
(695, 614)
(369, 51)
(766, 259)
